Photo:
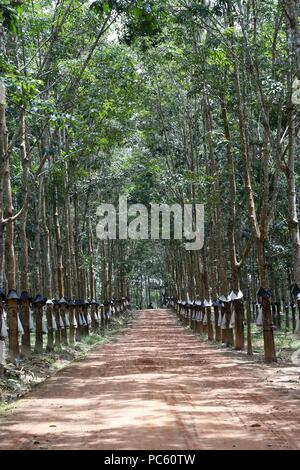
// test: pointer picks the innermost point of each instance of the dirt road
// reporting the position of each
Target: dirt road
(156, 387)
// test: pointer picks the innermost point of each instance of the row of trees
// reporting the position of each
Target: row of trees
(236, 122)
(163, 101)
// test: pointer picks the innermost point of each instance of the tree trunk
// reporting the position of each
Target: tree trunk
(60, 268)
(257, 234)
(25, 346)
(293, 40)
(50, 335)
(13, 348)
(37, 239)
(23, 218)
(10, 260)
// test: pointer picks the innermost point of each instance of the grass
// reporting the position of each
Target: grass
(21, 377)
(285, 343)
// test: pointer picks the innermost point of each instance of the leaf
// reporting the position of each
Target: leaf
(135, 11)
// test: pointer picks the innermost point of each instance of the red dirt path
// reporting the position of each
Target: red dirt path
(156, 387)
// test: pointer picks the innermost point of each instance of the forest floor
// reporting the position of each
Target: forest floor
(158, 387)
